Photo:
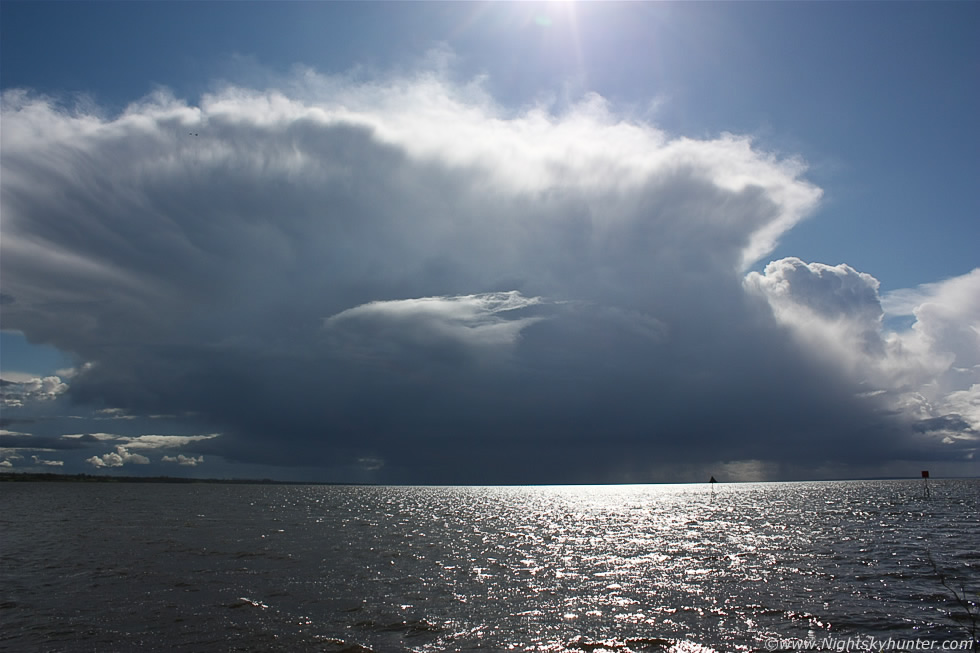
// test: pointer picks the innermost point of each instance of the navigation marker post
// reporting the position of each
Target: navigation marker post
(925, 481)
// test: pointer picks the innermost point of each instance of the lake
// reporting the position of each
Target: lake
(212, 567)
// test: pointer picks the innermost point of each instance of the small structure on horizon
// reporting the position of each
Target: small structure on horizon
(925, 481)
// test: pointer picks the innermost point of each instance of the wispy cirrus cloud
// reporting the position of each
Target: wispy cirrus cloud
(164, 441)
(142, 441)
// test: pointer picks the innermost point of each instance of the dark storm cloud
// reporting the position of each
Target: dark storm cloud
(408, 281)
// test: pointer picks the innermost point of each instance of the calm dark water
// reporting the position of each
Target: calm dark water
(624, 568)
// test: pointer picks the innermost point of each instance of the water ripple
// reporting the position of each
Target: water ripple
(623, 568)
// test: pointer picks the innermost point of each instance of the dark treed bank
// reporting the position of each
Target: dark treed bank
(91, 478)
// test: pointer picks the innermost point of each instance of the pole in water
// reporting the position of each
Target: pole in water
(712, 483)
(925, 481)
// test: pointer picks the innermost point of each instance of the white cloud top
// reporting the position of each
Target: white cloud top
(931, 370)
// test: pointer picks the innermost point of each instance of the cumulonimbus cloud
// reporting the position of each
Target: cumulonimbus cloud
(404, 271)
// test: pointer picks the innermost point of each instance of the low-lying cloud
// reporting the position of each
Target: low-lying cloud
(121, 456)
(25, 389)
(181, 459)
(406, 273)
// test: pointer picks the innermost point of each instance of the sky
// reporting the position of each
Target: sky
(472, 243)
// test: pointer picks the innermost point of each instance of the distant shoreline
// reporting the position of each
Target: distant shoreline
(21, 477)
(16, 477)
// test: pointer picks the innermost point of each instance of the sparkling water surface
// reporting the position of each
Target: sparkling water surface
(119, 567)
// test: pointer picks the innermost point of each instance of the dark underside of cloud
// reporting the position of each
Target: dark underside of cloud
(413, 284)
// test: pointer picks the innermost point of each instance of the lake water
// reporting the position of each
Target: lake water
(160, 567)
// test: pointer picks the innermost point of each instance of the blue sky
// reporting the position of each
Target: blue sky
(860, 125)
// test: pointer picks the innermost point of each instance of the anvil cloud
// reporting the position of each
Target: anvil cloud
(402, 281)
